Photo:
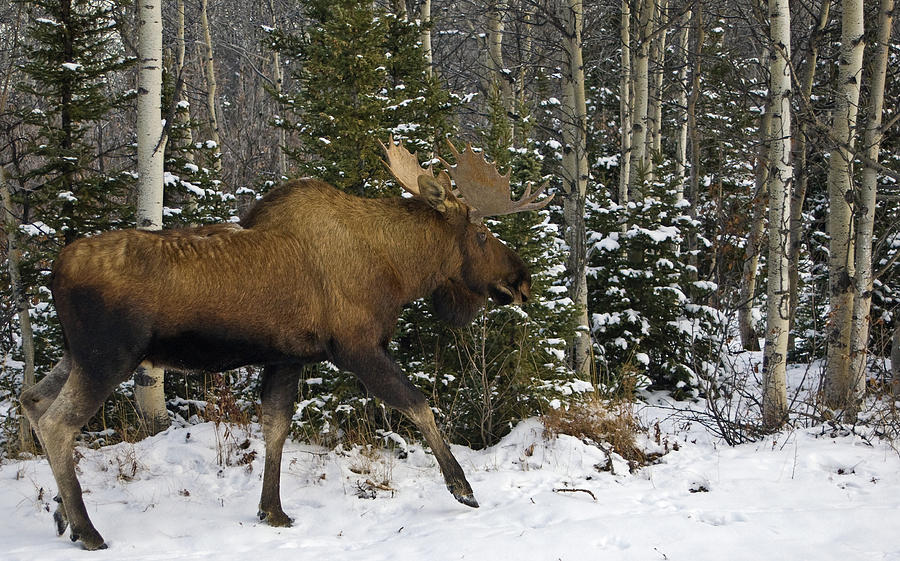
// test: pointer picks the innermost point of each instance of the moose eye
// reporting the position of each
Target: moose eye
(482, 236)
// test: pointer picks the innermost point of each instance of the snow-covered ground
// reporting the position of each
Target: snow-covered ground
(805, 494)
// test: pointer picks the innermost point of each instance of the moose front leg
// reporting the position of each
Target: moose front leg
(279, 392)
(384, 379)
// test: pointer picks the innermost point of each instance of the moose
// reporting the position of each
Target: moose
(311, 273)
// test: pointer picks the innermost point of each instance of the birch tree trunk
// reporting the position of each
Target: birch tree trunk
(498, 79)
(525, 58)
(774, 403)
(865, 204)
(895, 359)
(843, 391)
(148, 380)
(13, 261)
(278, 79)
(575, 177)
(639, 165)
(684, 86)
(625, 102)
(216, 164)
(425, 35)
(654, 111)
(182, 106)
(182, 111)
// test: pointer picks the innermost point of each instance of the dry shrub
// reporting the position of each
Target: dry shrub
(232, 446)
(610, 425)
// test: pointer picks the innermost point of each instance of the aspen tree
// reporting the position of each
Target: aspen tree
(425, 35)
(681, 102)
(654, 110)
(211, 85)
(774, 404)
(278, 80)
(641, 92)
(865, 204)
(148, 388)
(842, 390)
(182, 111)
(625, 102)
(575, 177)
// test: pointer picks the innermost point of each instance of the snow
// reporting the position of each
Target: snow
(805, 493)
(73, 66)
(801, 495)
(37, 228)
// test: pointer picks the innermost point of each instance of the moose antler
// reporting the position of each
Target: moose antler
(404, 166)
(486, 191)
(406, 169)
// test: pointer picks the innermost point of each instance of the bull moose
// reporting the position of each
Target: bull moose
(309, 274)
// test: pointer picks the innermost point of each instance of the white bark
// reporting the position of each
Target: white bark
(843, 391)
(425, 35)
(278, 79)
(654, 111)
(639, 154)
(148, 387)
(684, 86)
(625, 102)
(895, 359)
(497, 75)
(774, 403)
(575, 177)
(865, 204)
(210, 83)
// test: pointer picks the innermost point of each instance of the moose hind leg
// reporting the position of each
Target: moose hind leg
(78, 400)
(279, 391)
(38, 398)
(386, 381)
(35, 402)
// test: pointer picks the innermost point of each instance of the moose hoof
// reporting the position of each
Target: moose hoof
(462, 491)
(468, 500)
(61, 523)
(276, 519)
(90, 541)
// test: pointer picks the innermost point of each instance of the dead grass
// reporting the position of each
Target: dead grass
(610, 425)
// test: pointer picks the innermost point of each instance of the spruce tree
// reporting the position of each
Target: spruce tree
(74, 53)
(360, 76)
(75, 58)
(651, 325)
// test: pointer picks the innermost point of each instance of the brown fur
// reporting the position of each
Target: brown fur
(311, 273)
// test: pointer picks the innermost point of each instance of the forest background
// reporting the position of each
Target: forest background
(724, 171)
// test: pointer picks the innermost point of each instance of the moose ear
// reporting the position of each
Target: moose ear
(433, 193)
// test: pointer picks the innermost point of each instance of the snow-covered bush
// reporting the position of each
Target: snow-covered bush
(650, 321)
